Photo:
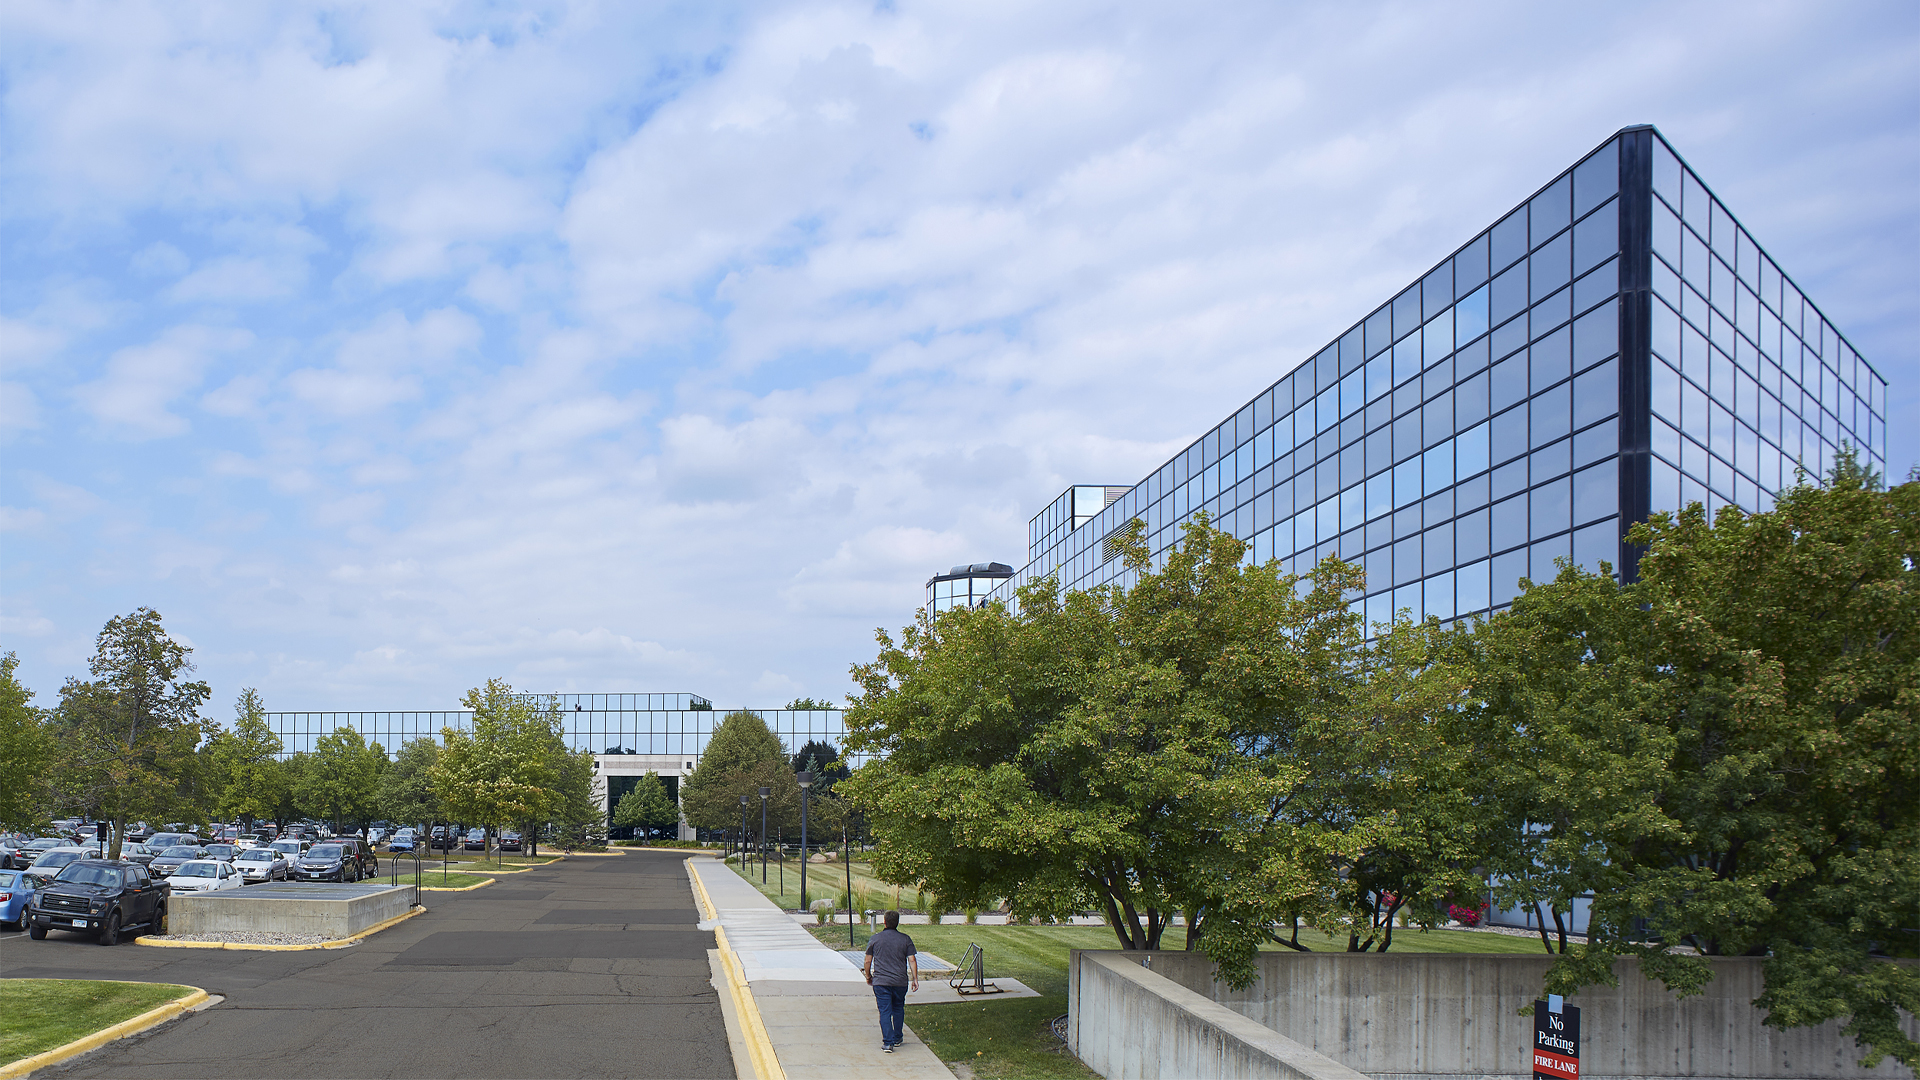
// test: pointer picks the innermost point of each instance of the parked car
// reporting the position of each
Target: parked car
(476, 840)
(291, 847)
(136, 852)
(99, 897)
(222, 851)
(205, 875)
(445, 836)
(24, 855)
(263, 864)
(48, 864)
(163, 840)
(509, 841)
(401, 841)
(140, 832)
(10, 849)
(334, 860)
(13, 900)
(169, 860)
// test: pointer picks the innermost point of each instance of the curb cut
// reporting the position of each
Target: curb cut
(457, 888)
(237, 946)
(766, 1065)
(151, 1018)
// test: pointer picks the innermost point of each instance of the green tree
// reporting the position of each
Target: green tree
(246, 763)
(1765, 673)
(340, 781)
(823, 760)
(576, 812)
(130, 734)
(507, 769)
(647, 807)
(732, 766)
(26, 752)
(807, 704)
(1208, 741)
(406, 788)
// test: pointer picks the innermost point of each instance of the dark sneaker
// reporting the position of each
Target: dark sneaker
(888, 1048)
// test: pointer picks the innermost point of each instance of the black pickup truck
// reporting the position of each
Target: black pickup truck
(95, 896)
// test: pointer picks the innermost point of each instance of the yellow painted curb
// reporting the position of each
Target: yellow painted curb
(457, 888)
(759, 1046)
(98, 1039)
(236, 946)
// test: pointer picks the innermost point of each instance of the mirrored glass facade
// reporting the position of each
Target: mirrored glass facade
(1615, 345)
(672, 726)
(965, 586)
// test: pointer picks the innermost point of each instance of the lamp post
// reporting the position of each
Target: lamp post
(743, 831)
(764, 792)
(846, 858)
(806, 782)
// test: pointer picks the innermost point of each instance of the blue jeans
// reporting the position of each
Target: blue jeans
(893, 1011)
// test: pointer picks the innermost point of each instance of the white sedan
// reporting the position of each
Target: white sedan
(205, 875)
(263, 864)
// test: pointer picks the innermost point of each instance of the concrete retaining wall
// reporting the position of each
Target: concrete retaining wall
(332, 912)
(1126, 1022)
(1422, 1015)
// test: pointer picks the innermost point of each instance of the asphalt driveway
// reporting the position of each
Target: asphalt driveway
(589, 968)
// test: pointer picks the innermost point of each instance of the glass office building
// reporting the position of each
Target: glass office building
(667, 726)
(1615, 346)
(965, 586)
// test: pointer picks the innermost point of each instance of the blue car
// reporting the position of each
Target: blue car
(13, 900)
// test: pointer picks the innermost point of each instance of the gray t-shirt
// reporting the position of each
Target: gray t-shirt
(890, 949)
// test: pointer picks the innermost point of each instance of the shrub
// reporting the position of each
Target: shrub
(822, 911)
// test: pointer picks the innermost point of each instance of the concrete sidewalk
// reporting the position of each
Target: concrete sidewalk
(810, 1010)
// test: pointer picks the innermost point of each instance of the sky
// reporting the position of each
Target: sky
(387, 348)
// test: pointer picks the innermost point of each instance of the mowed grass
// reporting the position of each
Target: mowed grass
(434, 879)
(825, 881)
(1014, 1038)
(45, 1013)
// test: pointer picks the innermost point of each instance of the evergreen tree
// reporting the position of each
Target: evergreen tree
(647, 807)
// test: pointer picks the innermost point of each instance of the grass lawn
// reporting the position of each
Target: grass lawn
(1013, 1038)
(825, 881)
(45, 1013)
(434, 879)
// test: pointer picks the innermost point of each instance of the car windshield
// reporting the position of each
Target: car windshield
(181, 852)
(222, 849)
(90, 875)
(324, 851)
(257, 855)
(57, 858)
(195, 869)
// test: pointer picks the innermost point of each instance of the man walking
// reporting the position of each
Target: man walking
(891, 965)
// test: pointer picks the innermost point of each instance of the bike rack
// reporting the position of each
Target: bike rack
(973, 968)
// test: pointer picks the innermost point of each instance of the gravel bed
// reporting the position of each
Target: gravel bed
(244, 937)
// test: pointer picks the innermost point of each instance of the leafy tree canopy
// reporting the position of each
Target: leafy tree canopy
(1725, 753)
(1208, 741)
(128, 736)
(26, 752)
(735, 764)
(245, 763)
(647, 807)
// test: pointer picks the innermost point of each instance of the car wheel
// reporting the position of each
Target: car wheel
(36, 932)
(160, 919)
(110, 933)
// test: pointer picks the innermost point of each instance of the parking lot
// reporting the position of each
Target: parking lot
(590, 967)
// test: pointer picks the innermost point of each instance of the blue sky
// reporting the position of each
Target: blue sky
(386, 348)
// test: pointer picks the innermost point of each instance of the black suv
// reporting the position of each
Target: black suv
(344, 858)
(95, 896)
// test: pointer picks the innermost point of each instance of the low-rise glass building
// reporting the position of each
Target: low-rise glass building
(1616, 345)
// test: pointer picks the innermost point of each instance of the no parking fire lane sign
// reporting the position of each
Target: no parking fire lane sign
(1556, 1040)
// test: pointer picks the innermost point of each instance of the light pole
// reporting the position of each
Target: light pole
(764, 792)
(806, 783)
(743, 832)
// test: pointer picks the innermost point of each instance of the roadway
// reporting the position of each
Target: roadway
(586, 968)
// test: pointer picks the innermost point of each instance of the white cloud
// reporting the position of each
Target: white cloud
(140, 381)
(604, 349)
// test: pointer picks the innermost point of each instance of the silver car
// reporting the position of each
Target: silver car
(263, 864)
